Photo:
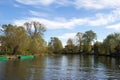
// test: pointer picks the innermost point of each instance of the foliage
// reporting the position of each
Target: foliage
(79, 39)
(111, 42)
(89, 37)
(36, 30)
(18, 40)
(28, 39)
(83, 43)
(15, 39)
(97, 48)
(69, 48)
(55, 45)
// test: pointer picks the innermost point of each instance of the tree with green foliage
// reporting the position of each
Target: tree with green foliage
(70, 47)
(117, 51)
(14, 39)
(79, 39)
(55, 45)
(88, 38)
(97, 48)
(18, 40)
(36, 31)
(111, 42)
(50, 48)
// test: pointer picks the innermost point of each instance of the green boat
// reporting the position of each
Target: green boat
(4, 58)
(26, 57)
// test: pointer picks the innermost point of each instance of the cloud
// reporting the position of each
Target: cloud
(16, 5)
(38, 14)
(64, 37)
(45, 2)
(36, 2)
(64, 2)
(53, 24)
(86, 4)
(97, 4)
(99, 19)
(67, 36)
(115, 26)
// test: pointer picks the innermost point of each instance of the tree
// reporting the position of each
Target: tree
(28, 28)
(50, 48)
(15, 39)
(70, 42)
(36, 31)
(38, 45)
(55, 45)
(35, 28)
(79, 39)
(117, 50)
(111, 42)
(97, 48)
(70, 47)
(88, 38)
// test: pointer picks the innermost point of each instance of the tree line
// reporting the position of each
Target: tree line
(28, 39)
(87, 43)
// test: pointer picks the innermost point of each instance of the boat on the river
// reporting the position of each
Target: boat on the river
(26, 57)
(3, 58)
(14, 57)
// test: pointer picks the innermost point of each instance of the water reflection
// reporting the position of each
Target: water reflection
(61, 67)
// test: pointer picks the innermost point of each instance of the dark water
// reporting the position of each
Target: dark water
(61, 67)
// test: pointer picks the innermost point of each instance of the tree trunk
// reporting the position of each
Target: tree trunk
(15, 50)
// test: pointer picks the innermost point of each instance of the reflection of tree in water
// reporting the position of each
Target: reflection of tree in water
(14, 70)
(61, 67)
(118, 62)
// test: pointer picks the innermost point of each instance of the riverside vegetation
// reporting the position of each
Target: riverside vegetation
(28, 40)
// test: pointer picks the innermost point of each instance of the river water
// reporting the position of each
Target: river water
(61, 67)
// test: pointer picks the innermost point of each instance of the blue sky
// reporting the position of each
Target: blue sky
(64, 18)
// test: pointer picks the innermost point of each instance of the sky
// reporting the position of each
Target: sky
(64, 18)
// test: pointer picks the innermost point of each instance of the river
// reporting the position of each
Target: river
(61, 67)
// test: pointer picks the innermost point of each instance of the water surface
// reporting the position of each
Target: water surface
(61, 67)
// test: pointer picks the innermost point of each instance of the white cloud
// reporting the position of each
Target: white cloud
(115, 26)
(62, 23)
(53, 24)
(97, 4)
(100, 40)
(36, 2)
(45, 2)
(38, 14)
(16, 5)
(86, 4)
(64, 2)
(67, 36)
(101, 19)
